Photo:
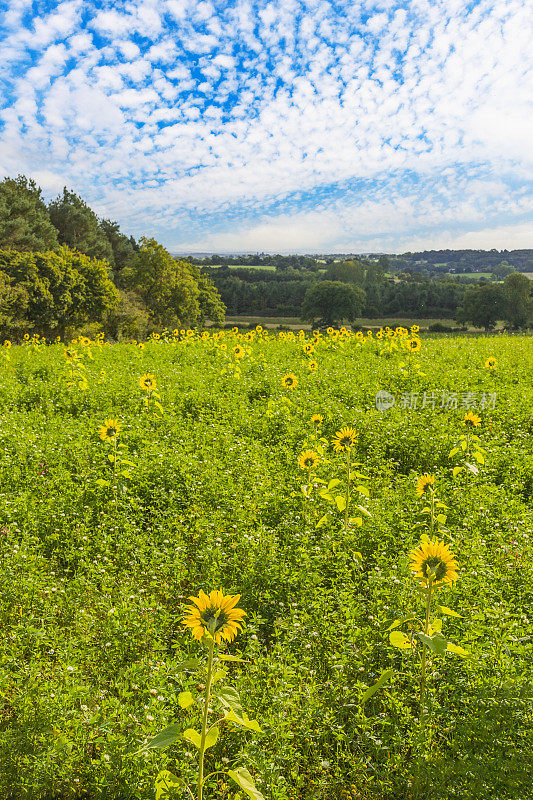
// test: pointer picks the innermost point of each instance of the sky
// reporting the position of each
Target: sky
(282, 126)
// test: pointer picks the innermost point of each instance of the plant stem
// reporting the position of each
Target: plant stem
(115, 487)
(424, 653)
(347, 498)
(432, 523)
(207, 696)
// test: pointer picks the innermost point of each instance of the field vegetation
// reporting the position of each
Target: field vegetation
(134, 476)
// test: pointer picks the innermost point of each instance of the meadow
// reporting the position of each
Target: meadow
(134, 476)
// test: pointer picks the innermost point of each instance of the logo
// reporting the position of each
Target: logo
(384, 400)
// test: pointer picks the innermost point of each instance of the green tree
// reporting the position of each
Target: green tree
(124, 250)
(78, 226)
(346, 272)
(517, 289)
(483, 306)
(210, 305)
(330, 302)
(502, 270)
(24, 220)
(166, 285)
(61, 291)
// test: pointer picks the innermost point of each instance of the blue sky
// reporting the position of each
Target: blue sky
(286, 126)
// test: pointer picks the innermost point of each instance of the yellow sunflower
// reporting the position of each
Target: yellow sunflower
(141, 345)
(214, 614)
(317, 419)
(432, 561)
(110, 429)
(415, 328)
(344, 439)
(147, 382)
(425, 484)
(472, 420)
(7, 343)
(413, 344)
(238, 351)
(308, 459)
(490, 363)
(308, 347)
(289, 381)
(313, 366)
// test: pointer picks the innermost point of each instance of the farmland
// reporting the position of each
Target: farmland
(132, 477)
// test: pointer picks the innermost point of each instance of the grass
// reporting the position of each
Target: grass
(93, 582)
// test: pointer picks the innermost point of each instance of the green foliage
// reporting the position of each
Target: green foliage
(518, 293)
(24, 219)
(93, 655)
(483, 306)
(331, 302)
(57, 292)
(78, 226)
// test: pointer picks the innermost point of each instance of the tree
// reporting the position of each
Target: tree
(210, 305)
(166, 286)
(346, 272)
(502, 270)
(331, 302)
(24, 220)
(123, 247)
(61, 291)
(78, 226)
(517, 290)
(483, 306)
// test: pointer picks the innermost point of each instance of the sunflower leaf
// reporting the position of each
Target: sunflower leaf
(189, 665)
(232, 658)
(164, 738)
(164, 782)
(400, 640)
(459, 651)
(229, 697)
(448, 612)
(397, 623)
(437, 643)
(185, 699)
(244, 720)
(341, 502)
(242, 778)
(383, 678)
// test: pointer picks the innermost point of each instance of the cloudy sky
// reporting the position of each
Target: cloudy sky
(287, 126)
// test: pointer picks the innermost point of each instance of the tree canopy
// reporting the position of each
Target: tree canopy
(24, 220)
(330, 302)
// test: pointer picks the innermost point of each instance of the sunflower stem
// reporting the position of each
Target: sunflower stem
(347, 498)
(424, 654)
(207, 697)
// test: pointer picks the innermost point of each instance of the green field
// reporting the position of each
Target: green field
(99, 556)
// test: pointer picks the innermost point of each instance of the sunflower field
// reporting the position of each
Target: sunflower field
(342, 521)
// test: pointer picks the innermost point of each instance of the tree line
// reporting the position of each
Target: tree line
(64, 269)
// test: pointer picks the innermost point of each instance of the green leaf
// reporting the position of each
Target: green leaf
(479, 458)
(189, 665)
(101, 482)
(321, 521)
(384, 677)
(232, 658)
(242, 778)
(441, 518)
(364, 511)
(164, 782)
(193, 736)
(463, 445)
(341, 502)
(244, 720)
(459, 651)
(229, 698)
(335, 482)
(164, 738)
(456, 471)
(212, 736)
(437, 642)
(363, 490)
(453, 452)
(185, 699)
(448, 612)
(397, 623)
(472, 468)
(400, 640)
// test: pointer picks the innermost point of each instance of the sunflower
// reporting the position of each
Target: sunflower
(289, 381)
(344, 439)
(110, 429)
(7, 343)
(313, 366)
(71, 354)
(472, 420)
(308, 347)
(425, 484)
(238, 351)
(214, 614)
(414, 344)
(141, 345)
(432, 561)
(415, 328)
(490, 363)
(147, 382)
(317, 419)
(308, 459)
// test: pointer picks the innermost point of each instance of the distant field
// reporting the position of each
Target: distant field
(473, 274)
(243, 266)
(294, 322)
